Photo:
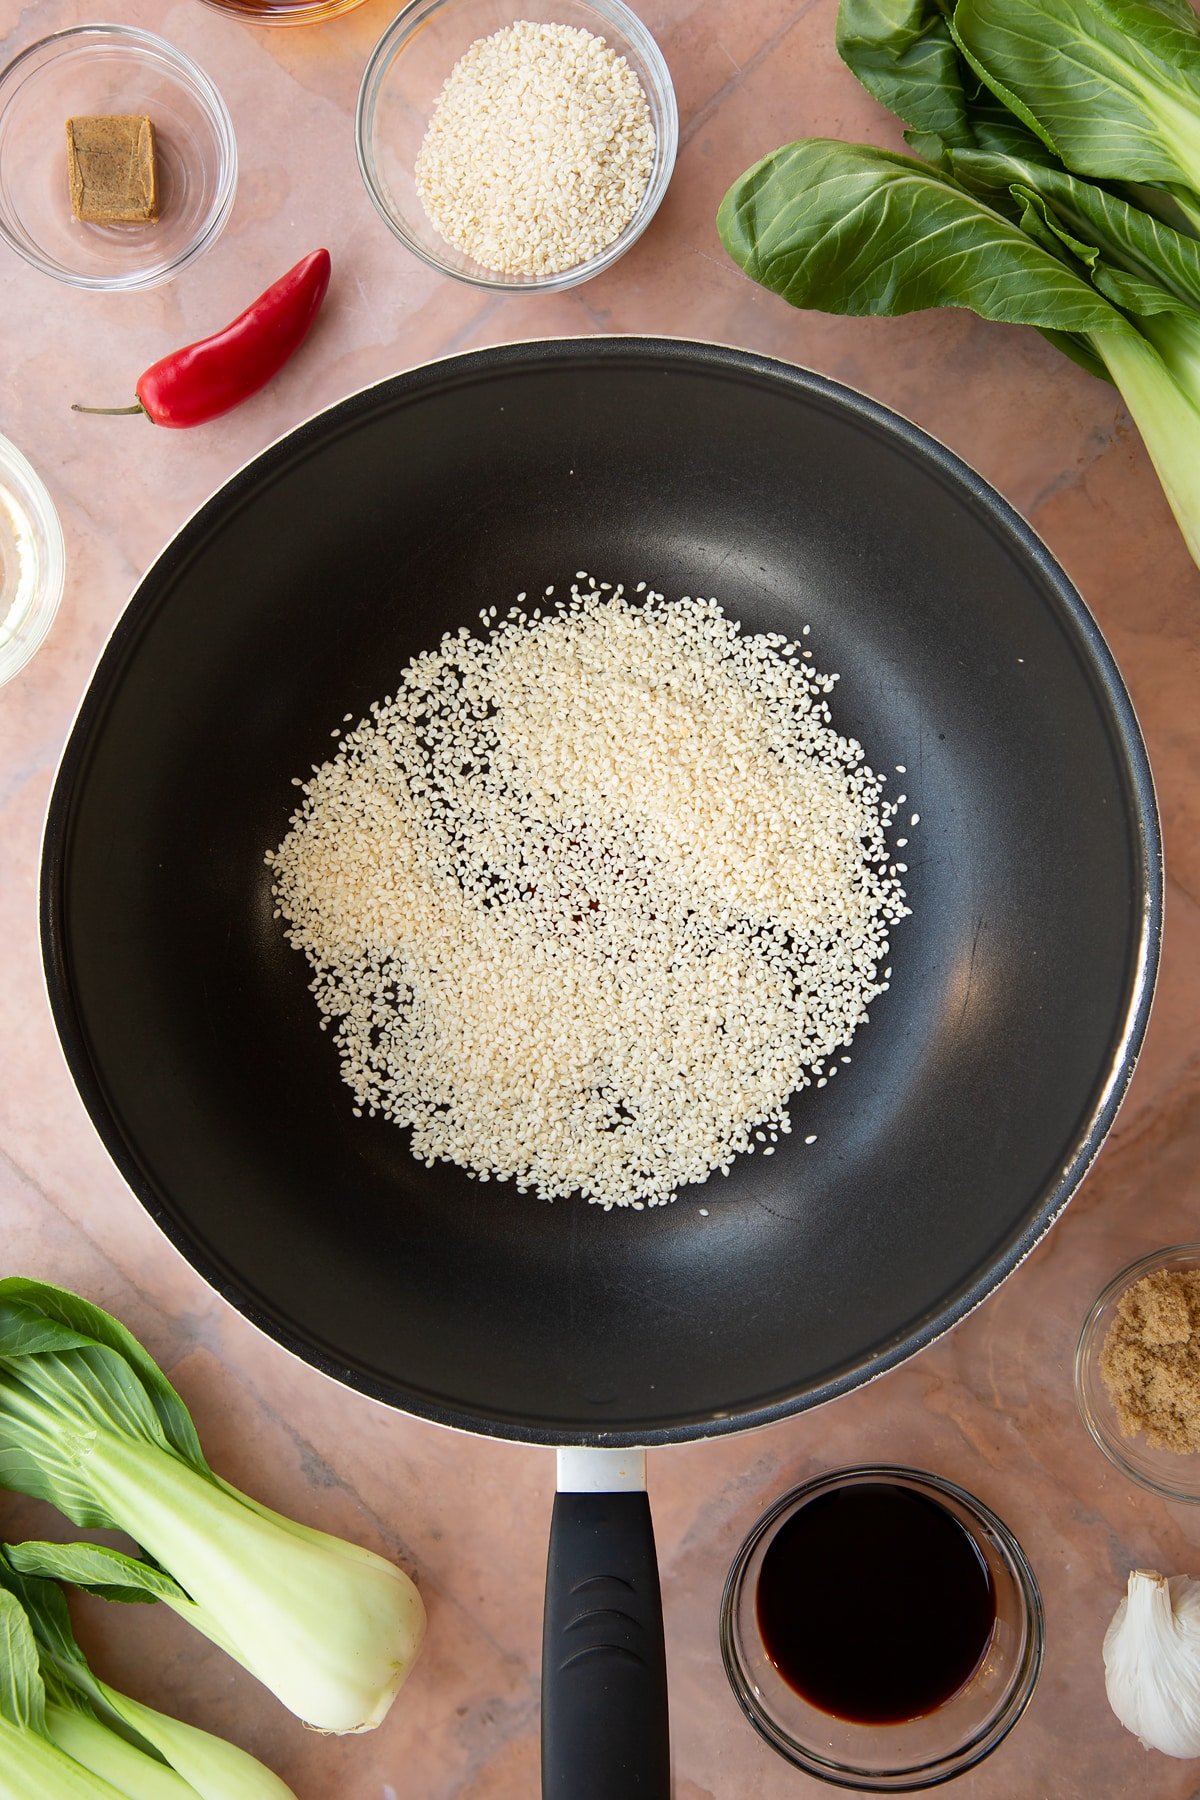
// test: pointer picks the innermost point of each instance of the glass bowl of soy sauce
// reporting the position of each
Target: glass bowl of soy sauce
(882, 1629)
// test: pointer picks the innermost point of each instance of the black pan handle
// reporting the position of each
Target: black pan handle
(605, 1734)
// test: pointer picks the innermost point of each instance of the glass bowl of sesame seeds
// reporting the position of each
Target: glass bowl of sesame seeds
(517, 148)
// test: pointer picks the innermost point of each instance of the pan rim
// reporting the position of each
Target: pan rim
(660, 353)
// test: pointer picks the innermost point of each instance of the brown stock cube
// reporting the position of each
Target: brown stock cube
(111, 162)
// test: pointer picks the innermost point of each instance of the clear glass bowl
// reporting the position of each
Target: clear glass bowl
(32, 561)
(1165, 1472)
(112, 69)
(919, 1753)
(405, 76)
(284, 12)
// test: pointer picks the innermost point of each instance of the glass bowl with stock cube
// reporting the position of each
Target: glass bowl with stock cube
(881, 1629)
(519, 149)
(118, 162)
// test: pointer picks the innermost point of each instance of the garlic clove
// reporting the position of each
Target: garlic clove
(1152, 1662)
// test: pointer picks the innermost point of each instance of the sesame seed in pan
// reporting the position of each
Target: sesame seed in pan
(592, 895)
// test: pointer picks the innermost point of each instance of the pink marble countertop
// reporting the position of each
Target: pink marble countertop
(991, 1406)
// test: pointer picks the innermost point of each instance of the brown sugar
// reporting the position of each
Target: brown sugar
(112, 169)
(1150, 1362)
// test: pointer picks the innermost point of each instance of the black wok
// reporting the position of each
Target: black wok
(977, 1095)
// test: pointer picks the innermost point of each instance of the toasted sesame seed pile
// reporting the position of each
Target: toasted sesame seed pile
(538, 151)
(593, 893)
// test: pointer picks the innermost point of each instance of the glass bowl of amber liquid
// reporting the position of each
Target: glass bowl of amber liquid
(1173, 1474)
(882, 1629)
(284, 12)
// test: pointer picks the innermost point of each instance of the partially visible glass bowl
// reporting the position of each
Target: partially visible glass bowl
(112, 69)
(1167, 1472)
(919, 1753)
(400, 89)
(284, 12)
(32, 561)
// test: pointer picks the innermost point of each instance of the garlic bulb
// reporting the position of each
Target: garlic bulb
(1152, 1662)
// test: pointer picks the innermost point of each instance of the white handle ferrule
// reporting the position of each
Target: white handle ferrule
(583, 1471)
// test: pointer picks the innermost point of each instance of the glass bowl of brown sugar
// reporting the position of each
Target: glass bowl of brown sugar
(1137, 1372)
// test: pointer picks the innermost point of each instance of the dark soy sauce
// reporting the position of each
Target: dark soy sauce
(874, 1603)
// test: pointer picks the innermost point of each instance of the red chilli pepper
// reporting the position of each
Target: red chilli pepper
(206, 379)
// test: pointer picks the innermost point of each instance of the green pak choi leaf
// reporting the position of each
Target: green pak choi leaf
(848, 229)
(89, 1422)
(43, 1308)
(904, 54)
(209, 1766)
(96, 1569)
(1111, 86)
(1126, 236)
(22, 1692)
(31, 1766)
(81, 1736)
(143, 1754)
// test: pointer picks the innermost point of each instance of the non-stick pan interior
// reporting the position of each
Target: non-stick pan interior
(975, 1095)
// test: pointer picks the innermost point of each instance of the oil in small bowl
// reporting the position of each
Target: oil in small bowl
(32, 561)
